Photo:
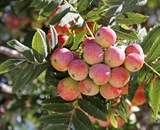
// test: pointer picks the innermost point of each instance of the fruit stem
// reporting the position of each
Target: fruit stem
(151, 68)
(81, 17)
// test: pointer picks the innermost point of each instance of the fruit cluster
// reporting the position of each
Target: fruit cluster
(103, 67)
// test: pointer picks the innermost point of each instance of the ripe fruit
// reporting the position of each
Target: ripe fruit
(62, 38)
(109, 92)
(88, 87)
(133, 62)
(103, 123)
(114, 56)
(92, 53)
(62, 29)
(105, 37)
(134, 48)
(100, 73)
(78, 69)
(67, 88)
(88, 40)
(139, 99)
(119, 77)
(61, 58)
(125, 89)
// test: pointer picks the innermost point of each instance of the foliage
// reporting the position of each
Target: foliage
(61, 114)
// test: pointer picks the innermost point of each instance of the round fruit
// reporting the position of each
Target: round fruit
(105, 37)
(61, 58)
(67, 88)
(100, 73)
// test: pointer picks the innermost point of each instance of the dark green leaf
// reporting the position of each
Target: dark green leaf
(122, 115)
(54, 37)
(130, 5)
(23, 78)
(60, 14)
(131, 18)
(35, 3)
(55, 118)
(58, 107)
(49, 8)
(39, 45)
(38, 69)
(57, 127)
(155, 97)
(91, 109)
(9, 64)
(83, 4)
(42, 5)
(81, 121)
(50, 77)
(78, 39)
(150, 38)
(24, 50)
(113, 2)
(124, 34)
(154, 51)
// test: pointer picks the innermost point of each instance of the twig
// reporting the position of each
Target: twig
(5, 88)
(10, 52)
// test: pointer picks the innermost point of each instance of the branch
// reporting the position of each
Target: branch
(5, 88)
(10, 52)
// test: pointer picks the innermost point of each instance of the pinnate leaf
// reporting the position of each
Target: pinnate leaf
(81, 121)
(9, 64)
(39, 45)
(24, 50)
(23, 78)
(131, 18)
(124, 34)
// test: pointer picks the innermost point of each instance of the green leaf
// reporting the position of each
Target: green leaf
(57, 127)
(35, 3)
(49, 8)
(81, 121)
(23, 78)
(131, 18)
(150, 38)
(55, 99)
(91, 109)
(24, 50)
(38, 69)
(83, 4)
(155, 98)
(9, 64)
(69, 17)
(154, 51)
(39, 45)
(124, 34)
(131, 5)
(58, 107)
(113, 121)
(113, 2)
(55, 118)
(156, 66)
(54, 37)
(94, 15)
(69, 41)
(78, 39)
(60, 14)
